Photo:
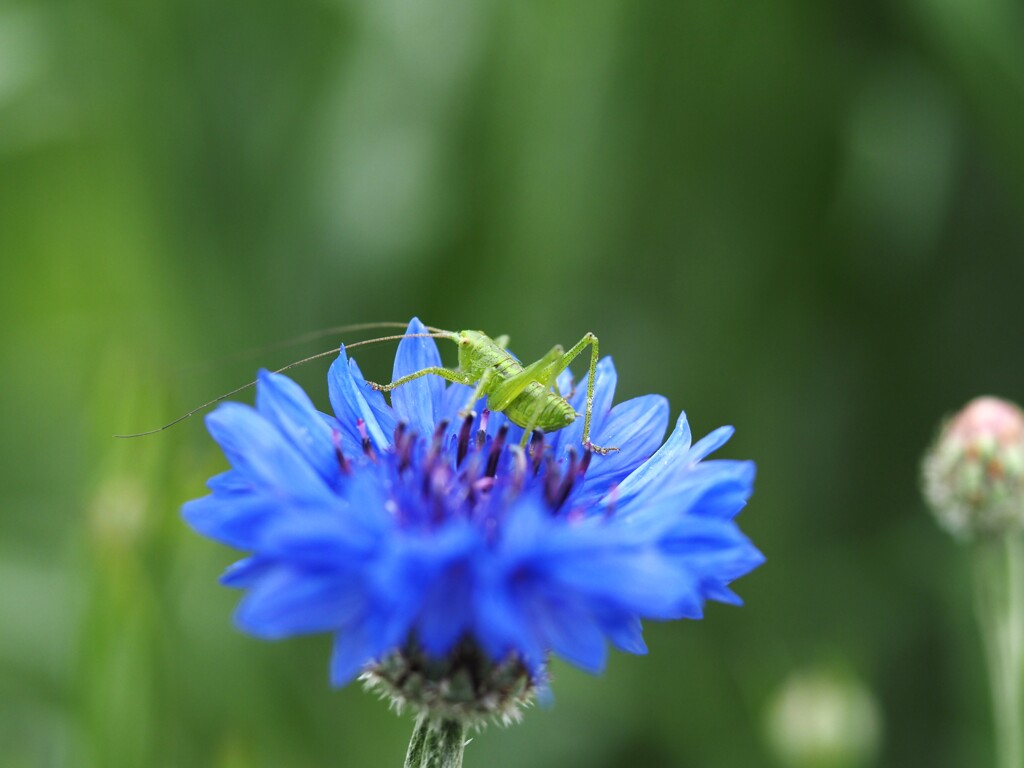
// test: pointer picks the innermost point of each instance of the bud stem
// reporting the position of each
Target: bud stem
(999, 568)
(436, 744)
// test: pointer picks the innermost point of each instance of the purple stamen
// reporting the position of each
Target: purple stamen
(518, 467)
(364, 436)
(481, 433)
(495, 453)
(463, 447)
(484, 484)
(435, 446)
(585, 462)
(343, 465)
(551, 480)
(567, 482)
(435, 443)
(438, 487)
(536, 449)
(404, 441)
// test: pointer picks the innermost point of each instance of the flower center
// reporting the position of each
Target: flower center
(469, 474)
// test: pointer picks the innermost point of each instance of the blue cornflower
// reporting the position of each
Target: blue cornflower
(449, 562)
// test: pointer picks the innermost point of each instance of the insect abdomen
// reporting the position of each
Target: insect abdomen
(540, 407)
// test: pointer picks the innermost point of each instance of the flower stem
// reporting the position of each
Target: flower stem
(999, 568)
(436, 744)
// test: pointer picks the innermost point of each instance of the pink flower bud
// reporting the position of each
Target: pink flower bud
(974, 472)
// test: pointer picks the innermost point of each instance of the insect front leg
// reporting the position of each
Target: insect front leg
(481, 390)
(445, 373)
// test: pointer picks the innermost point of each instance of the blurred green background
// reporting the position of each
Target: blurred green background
(800, 218)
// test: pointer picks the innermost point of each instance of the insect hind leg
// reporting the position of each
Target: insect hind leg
(548, 375)
(588, 340)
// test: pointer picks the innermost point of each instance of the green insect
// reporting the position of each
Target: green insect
(527, 394)
(523, 393)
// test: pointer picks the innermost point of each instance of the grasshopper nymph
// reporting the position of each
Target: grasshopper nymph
(528, 395)
(523, 393)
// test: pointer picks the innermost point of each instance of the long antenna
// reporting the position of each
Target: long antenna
(437, 334)
(338, 330)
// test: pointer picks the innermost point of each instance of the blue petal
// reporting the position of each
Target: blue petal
(230, 482)
(237, 521)
(281, 401)
(676, 470)
(350, 405)
(569, 630)
(636, 427)
(289, 602)
(712, 548)
(639, 580)
(447, 610)
(653, 473)
(625, 633)
(418, 402)
(527, 605)
(710, 443)
(353, 648)
(334, 539)
(722, 594)
(371, 637)
(385, 416)
(501, 627)
(730, 491)
(262, 455)
(691, 605)
(442, 567)
(454, 399)
(245, 573)
(729, 563)
(709, 489)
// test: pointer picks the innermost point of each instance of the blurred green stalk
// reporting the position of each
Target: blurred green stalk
(999, 567)
(436, 744)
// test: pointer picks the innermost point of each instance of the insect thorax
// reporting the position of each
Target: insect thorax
(478, 352)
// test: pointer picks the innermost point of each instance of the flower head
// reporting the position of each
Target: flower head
(449, 562)
(974, 473)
